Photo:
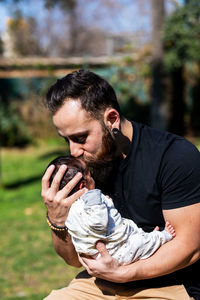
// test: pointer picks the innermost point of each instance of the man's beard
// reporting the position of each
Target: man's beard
(107, 152)
(102, 165)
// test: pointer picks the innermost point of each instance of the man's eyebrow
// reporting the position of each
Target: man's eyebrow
(77, 134)
(81, 133)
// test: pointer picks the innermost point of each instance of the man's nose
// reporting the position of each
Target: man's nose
(75, 149)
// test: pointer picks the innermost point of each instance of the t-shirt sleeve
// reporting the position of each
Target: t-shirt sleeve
(180, 175)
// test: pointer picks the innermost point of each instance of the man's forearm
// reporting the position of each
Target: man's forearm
(179, 253)
(63, 246)
(169, 258)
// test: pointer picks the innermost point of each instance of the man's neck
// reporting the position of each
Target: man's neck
(127, 129)
(125, 137)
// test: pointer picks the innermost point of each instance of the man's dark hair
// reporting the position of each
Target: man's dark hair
(74, 166)
(94, 93)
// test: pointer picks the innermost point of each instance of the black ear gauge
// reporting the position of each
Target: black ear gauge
(115, 132)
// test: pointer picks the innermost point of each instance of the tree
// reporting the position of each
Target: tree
(1, 46)
(70, 8)
(182, 44)
(194, 55)
(22, 34)
(175, 47)
(158, 109)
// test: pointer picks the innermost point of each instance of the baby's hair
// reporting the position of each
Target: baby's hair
(73, 167)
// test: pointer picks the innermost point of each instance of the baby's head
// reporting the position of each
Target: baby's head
(74, 165)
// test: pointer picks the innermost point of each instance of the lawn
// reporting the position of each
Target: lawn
(30, 268)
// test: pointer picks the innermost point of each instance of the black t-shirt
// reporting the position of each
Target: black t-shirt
(160, 172)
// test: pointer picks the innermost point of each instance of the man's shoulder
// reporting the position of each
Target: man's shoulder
(151, 141)
(153, 138)
(156, 136)
(156, 149)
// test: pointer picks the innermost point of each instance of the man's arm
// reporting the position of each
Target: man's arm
(180, 252)
(63, 246)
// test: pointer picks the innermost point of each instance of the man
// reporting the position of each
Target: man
(156, 178)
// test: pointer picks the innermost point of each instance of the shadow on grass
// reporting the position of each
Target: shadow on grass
(55, 153)
(32, 179)
(21, 182)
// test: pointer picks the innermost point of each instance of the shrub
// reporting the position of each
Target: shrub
(13, 130)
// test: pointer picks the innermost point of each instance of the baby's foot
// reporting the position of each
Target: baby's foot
(170, 229)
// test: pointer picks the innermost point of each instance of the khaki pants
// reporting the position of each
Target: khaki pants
(85, 287)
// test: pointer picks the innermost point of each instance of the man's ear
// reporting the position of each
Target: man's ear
(112, 118)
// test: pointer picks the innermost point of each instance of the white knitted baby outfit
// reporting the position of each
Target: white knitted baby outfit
(93, 217)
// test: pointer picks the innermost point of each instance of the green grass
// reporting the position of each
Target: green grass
(30, 268)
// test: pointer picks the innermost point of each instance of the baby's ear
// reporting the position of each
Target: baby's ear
(82, 184)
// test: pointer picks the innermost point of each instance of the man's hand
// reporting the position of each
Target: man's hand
(104, 267)
(57, 201)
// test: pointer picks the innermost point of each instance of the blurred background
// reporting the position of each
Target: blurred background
(147, 49)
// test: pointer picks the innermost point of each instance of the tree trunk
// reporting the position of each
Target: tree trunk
(178, 106)
(158, 107)
(73, 31)
(195, 113)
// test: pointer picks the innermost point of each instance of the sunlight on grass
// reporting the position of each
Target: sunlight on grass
(30, 268)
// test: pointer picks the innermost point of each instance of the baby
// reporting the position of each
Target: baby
(93, 218)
